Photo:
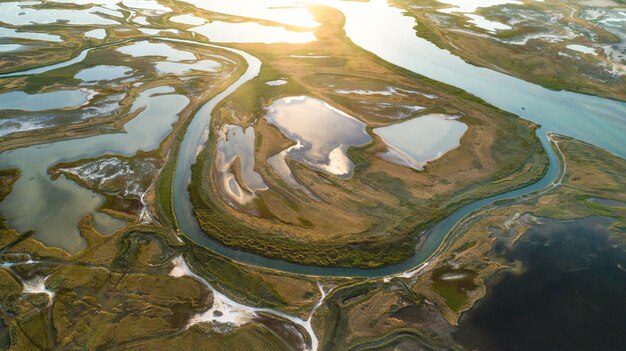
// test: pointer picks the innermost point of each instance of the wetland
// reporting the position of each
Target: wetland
(323, 176)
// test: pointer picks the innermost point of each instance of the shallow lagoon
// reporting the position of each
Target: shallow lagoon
(19, 100)
(103, 72)
(582, 48)
(178, 68)
(415, 142)
(147, 48)
(12, 47)
(482, 22)
(237, 143)
(12, 33)
(96, 34)
(323, 134)
(54, 208)
(20, 121)
(12, 121)
(276, 82)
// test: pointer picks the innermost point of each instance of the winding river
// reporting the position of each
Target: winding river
(386, 32)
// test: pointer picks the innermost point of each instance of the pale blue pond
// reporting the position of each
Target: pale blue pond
(103, 72)
(414, 142)
(19, 100)
(321, 132)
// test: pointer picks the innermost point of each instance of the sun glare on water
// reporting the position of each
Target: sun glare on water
(289, 12)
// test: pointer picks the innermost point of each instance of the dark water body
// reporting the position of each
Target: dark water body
(5, 336)
(570, 296)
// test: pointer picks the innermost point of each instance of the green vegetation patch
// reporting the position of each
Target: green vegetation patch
(453, 285)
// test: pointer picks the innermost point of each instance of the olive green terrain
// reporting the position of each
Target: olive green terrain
(590, 173)
(373, 218)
